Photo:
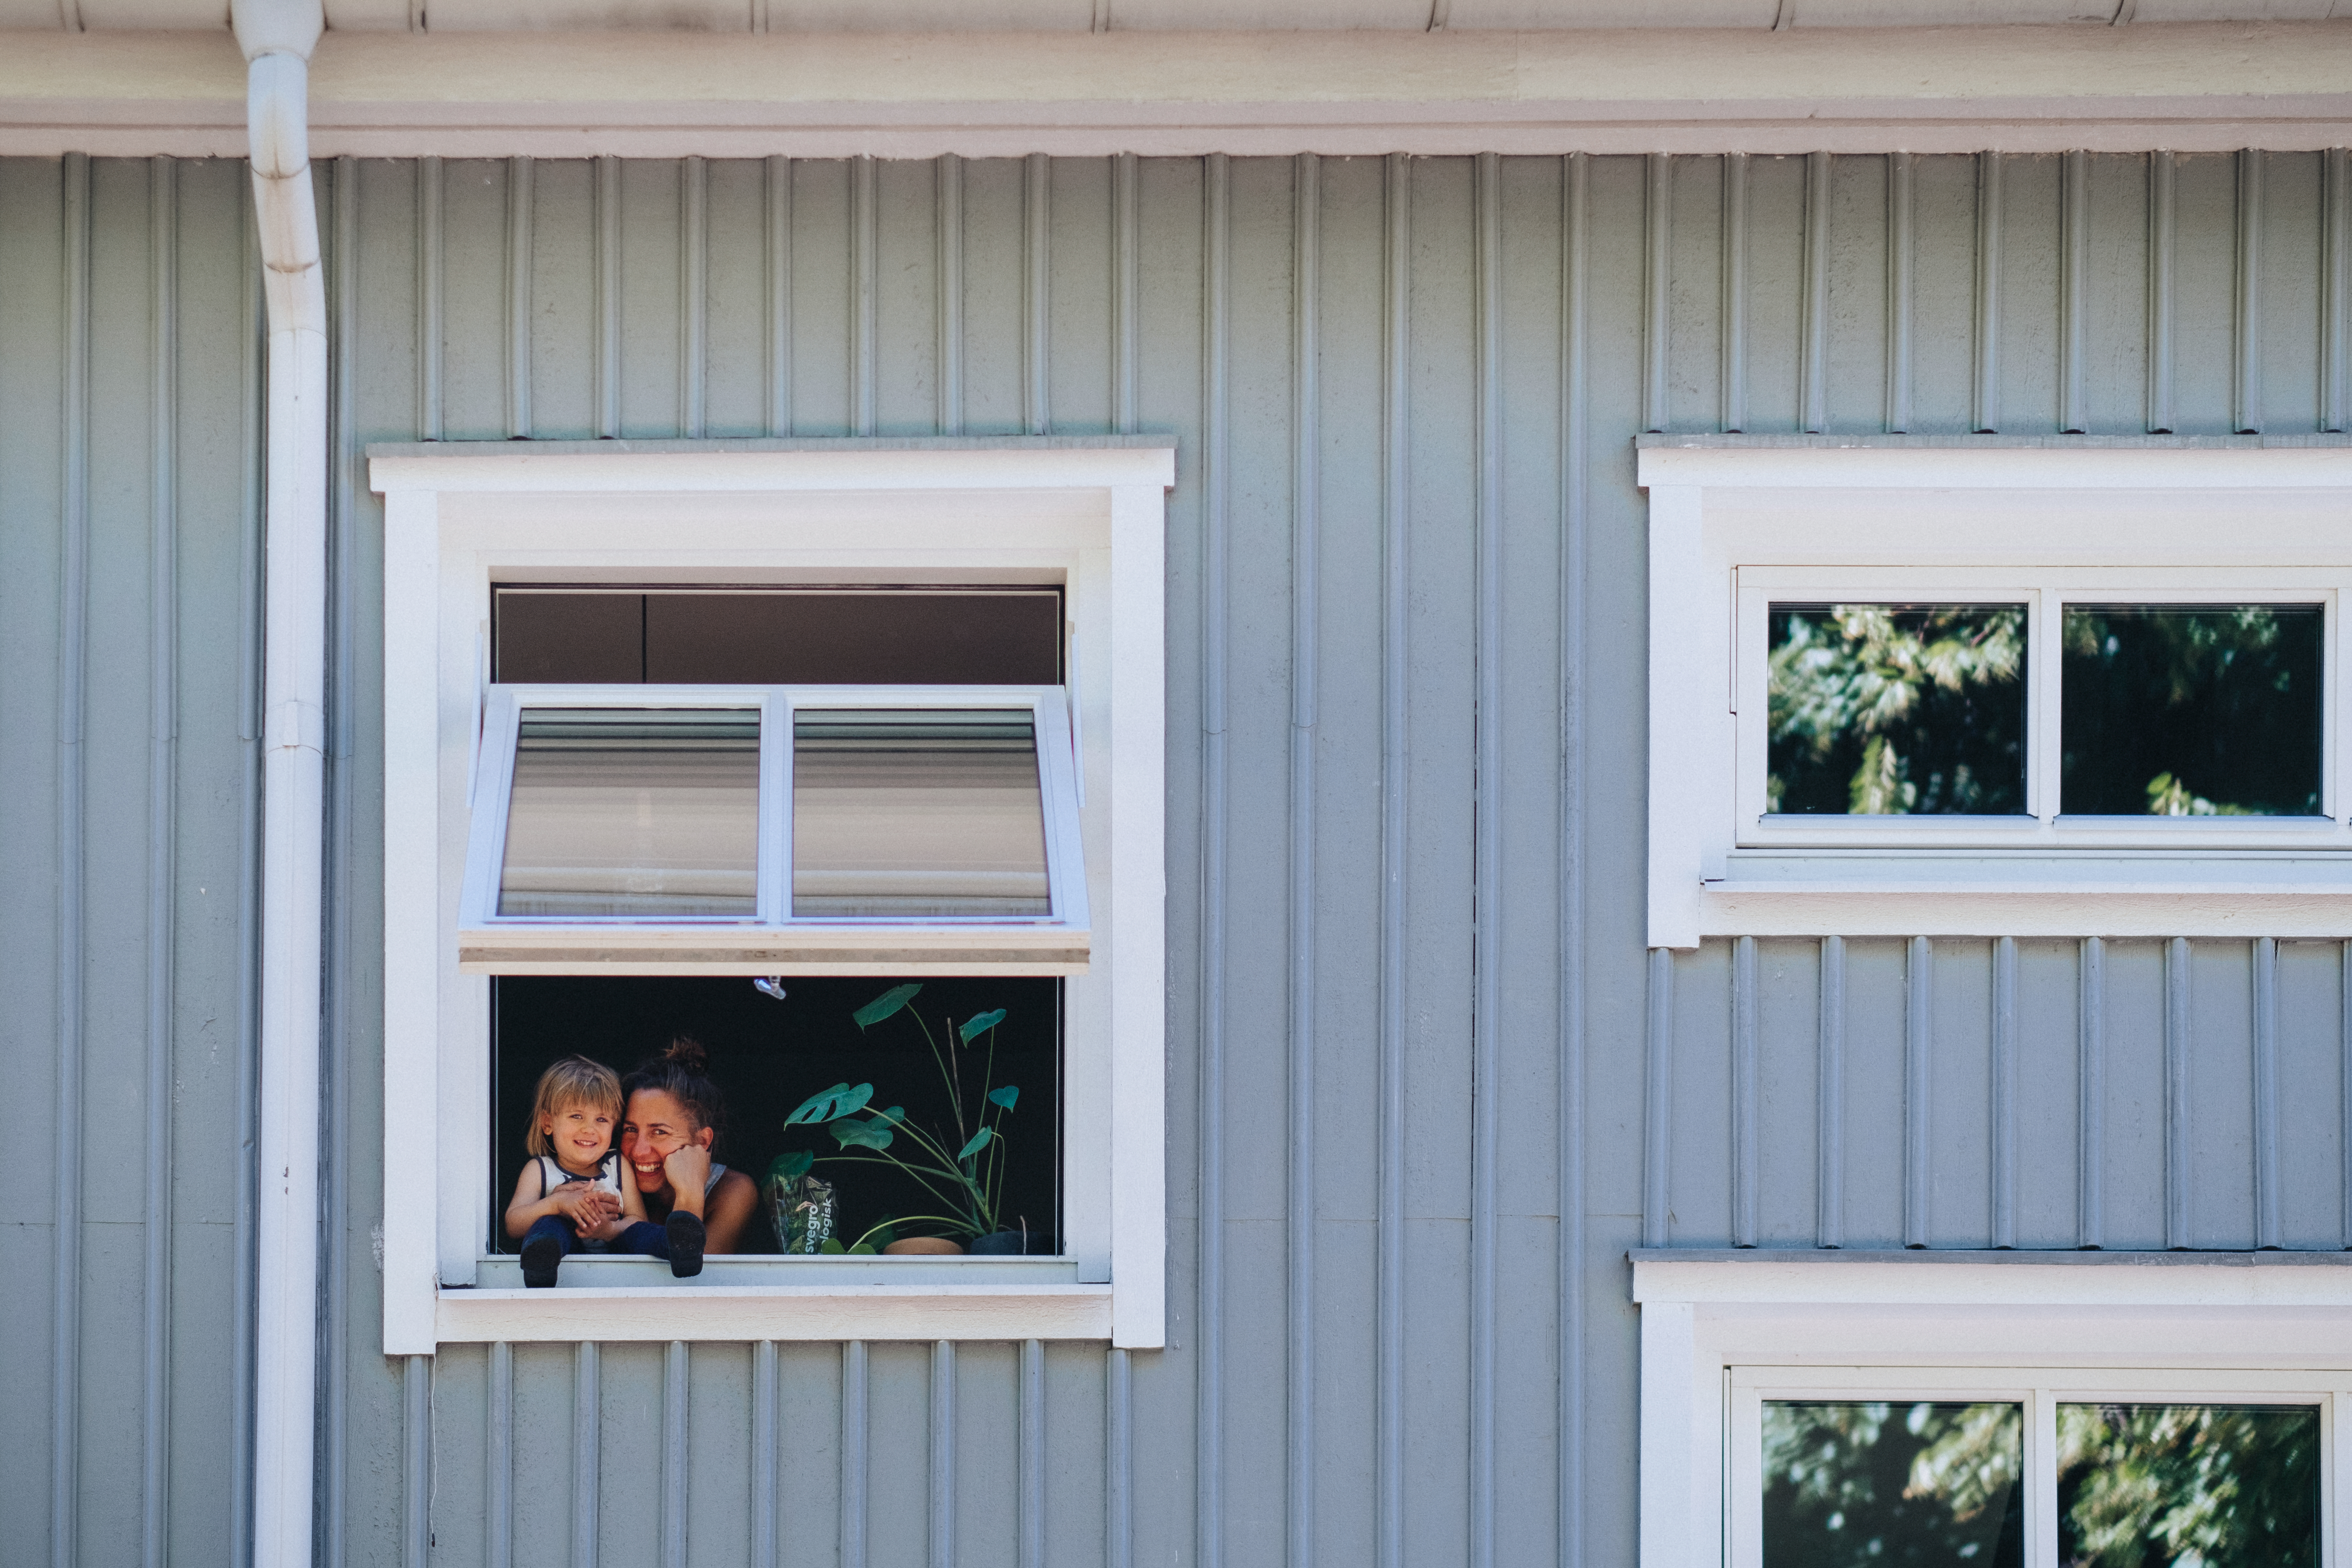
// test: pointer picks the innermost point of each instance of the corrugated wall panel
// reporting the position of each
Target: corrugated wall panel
(129, 580)
(1420, 1099)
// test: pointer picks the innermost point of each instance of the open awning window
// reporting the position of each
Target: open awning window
(774, 830)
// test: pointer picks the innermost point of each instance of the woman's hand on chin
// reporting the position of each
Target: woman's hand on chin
(688, 1170)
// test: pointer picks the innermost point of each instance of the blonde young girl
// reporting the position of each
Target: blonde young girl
(569, 1197)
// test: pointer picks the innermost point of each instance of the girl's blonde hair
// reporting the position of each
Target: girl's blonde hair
(575, 1081)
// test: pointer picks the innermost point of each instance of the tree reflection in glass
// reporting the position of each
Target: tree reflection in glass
(1882, 1484)
(1896, 709)
(2192, 710)
(2188, 1485)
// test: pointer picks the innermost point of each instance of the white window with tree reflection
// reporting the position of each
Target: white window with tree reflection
(1971, 689)
(2124, 1473)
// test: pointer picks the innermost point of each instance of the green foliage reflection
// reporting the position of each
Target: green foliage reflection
(1880, 1485)
(2192, 710)
(1894, 710)
(2188, 1486)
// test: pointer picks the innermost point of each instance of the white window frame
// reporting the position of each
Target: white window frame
(462, 519)
(775, 941)
(1721, 1332)
(1736, 524)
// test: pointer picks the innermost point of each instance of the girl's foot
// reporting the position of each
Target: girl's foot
(541, 1255)
(686, 1237)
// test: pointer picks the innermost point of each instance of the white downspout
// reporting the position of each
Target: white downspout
(276, 37)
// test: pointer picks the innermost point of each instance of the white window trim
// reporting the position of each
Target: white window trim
(1088, 513)
(775, 941)
(1716, 1326)
(1729, 516)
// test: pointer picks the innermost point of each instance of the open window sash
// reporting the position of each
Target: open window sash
(774, 830)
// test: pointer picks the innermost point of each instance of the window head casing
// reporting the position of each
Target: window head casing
(1084, 515)
(1973, 687)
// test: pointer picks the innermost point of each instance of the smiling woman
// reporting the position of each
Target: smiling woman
(674, 1115)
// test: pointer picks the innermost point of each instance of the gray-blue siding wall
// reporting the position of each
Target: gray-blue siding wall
(1426, 1086)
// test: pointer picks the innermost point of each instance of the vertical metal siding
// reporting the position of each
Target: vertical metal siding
(1406, 674)
(129, 636)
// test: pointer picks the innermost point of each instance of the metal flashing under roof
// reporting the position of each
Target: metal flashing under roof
(1174, 16)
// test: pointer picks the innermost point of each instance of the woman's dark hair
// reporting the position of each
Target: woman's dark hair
(682, 1071)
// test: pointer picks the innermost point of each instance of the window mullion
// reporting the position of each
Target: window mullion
(2040, 1479)
(775, 807)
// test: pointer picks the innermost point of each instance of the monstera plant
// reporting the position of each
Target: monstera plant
(963, 1168)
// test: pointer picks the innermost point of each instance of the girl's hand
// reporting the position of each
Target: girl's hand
(688, 1170)
(595, 1209)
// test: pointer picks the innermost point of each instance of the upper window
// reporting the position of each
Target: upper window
(1951, 676)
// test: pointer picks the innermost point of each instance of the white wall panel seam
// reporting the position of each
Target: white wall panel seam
(864, 304)
(1829, 1068)
(1575, 521)
(73, 590)
(948, 171)
(2246, 359)
(244, 1282)
(2004, 1091)
(1657, 1109)
(776, 297)
(1216, 262)
(1813, 368)
(1902, 271)
(430, 251)
(2335, 288)
(1389, 1484)
(2163, 230)
(1657, 291)
(1305, 631)
(693, 296)
(163, 885)
(521, 195)
(2179, 1214)
(2074, 291)
(2091, 1093)
(1733, 305)
(1918, 1081)
(1486, 850)
(340, 859)
(1745, 1157)
(1986, 401)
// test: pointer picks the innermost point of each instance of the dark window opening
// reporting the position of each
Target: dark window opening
(779, 637)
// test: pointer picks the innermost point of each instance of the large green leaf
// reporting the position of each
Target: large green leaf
(856, 1134)
(791, 1166)
(882, 1006)
(1006, 1096)
(978, 1142)
(829, 1104)
(980, 1024)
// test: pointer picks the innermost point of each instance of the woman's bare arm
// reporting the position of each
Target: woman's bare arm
(733, 1203)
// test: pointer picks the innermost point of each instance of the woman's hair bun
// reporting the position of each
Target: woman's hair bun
(688, 1053)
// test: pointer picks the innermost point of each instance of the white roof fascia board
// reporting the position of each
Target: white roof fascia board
(2189, 87)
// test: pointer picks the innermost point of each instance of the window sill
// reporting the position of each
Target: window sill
(632, 1298)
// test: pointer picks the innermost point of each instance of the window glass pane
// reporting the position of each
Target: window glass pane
(2192, 710)
(1850, 1485)
(908, 812)
(647, 813)
(2200, 1485)
(1894, 710)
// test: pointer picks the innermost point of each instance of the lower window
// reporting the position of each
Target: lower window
(2115, 1469)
